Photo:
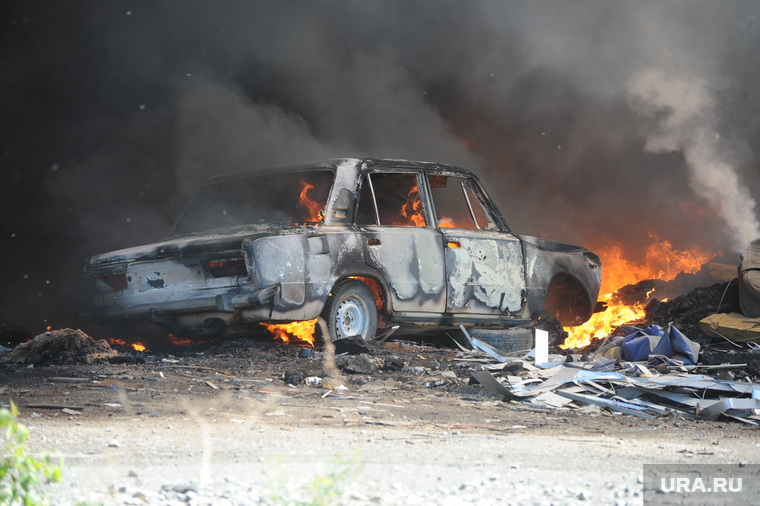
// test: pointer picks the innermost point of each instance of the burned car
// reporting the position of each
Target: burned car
(362, 243)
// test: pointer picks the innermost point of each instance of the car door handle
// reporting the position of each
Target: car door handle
(373, 242)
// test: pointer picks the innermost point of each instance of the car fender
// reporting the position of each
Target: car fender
(547, 260)
(306, 267)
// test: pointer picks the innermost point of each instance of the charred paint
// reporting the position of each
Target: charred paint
(485, 275)
(411, 261)
(155, 283)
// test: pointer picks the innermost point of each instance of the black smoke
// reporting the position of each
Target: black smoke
(591, 121)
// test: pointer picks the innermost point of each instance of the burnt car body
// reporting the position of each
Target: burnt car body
(361, 242)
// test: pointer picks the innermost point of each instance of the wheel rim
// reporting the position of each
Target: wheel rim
(351, 318)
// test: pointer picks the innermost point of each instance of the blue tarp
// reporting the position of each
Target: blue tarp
(654, 340)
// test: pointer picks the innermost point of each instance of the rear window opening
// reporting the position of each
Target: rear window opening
(288, 197)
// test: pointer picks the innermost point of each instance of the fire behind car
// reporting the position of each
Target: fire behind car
(363, 243)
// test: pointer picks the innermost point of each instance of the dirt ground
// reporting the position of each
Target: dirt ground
(217, 424)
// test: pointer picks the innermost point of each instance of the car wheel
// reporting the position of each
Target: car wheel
(351, 312)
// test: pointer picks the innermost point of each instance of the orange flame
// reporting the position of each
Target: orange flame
(601, 324)
(412, 209)
(314, 208)
(446, 222)
(300, 331)
(375, 287)
(661, 261)
(138, 347)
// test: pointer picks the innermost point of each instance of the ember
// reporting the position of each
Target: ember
(123, 343)
(662, 261)
(176, 341)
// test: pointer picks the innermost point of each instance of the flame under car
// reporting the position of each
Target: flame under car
(362, 243)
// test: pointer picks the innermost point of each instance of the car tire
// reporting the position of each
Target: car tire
(351, 311)
(508, 340)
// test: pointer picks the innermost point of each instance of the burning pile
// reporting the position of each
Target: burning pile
(294, 332)
(662, 262)
(121, 342)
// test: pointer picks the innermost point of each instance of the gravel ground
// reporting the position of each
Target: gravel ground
(220, 426)
(204, 460)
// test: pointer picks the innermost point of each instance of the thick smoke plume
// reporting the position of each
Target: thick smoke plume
(684, 112)
(114, 112)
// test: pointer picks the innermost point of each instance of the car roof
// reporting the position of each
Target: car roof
(333, 163)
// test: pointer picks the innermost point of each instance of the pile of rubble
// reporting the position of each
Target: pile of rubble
(65, 346)
(633, 388)
(648, 372)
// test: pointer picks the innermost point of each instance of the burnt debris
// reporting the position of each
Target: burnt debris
(65, 346)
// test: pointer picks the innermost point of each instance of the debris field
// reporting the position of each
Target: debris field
(68, 370)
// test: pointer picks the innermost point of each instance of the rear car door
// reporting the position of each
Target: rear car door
(485, 271)
(399, 243)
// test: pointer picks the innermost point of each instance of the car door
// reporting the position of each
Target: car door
(399, 242)
(484, 264)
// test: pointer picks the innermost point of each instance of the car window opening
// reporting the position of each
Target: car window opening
(391, 199)
(289, 197)
(457, 204)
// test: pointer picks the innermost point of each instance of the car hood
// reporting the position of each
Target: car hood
(551, 245)
(209, 242)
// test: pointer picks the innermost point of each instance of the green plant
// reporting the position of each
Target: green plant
(21, 475)
(325, 489)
